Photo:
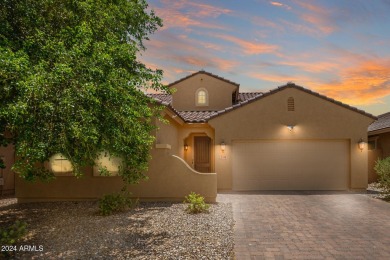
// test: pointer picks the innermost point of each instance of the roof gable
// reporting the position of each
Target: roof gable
(292, 85)
(206, 73)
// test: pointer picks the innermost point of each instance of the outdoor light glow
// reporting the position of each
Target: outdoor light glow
(361, 144)
(223, 146)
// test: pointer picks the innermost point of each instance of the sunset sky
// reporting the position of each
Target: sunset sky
(339, 48)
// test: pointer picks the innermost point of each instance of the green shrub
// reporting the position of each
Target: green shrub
(196, 203)
(382, 168)
(116, 202)
(10, 236)
(2, 164)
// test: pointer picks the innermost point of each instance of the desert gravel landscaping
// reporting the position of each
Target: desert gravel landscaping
(74, 230)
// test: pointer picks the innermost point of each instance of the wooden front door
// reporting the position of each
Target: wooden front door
(202, 155)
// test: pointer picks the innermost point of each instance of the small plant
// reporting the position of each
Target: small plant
(116, 202)
(11, 235)
(196, 203)
(382, 168)
(2, 164)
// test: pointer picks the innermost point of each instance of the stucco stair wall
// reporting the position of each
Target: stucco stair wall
(172, 179)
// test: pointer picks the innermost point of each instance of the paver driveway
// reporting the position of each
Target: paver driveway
(309, 225)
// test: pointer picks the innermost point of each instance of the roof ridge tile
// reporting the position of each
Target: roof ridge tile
(203, 72)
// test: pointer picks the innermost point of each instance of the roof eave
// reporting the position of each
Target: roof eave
(379, 131)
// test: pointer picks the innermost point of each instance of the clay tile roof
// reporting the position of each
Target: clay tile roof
(244, 99)
(383, 122)
(203, 72)
(247, 95)
(165, 98)
(196, 116)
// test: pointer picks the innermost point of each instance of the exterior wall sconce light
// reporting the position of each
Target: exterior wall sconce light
(290, 127)
(185, 147)
(361, 144)
(223, 146)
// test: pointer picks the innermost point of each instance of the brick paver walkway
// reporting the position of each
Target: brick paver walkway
(303, 225)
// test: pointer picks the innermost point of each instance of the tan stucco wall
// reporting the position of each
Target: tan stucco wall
(219, 92)
(314, 118)
(168, 133)
(7, 175)
(170, 178)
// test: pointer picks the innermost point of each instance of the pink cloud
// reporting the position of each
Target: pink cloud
(317, 16)
(249, 47)
(202, 62)
(176, 19)
(187, 14)
(278, 4)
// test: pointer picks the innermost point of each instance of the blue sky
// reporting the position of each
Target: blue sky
(339, 48)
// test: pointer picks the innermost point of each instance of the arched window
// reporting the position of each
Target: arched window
(201, 97)
(290, 104)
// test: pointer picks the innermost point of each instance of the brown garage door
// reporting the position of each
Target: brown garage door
(290, 165)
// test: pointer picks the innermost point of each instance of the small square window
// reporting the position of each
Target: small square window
(372, 145)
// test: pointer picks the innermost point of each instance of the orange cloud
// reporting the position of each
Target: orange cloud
(249, 48)
(364, 84)
(310, 66)
(280, 79)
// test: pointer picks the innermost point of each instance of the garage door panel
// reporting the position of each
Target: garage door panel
(290, 165)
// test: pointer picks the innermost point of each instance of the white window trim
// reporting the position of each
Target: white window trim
(375, 139)
(196, 97)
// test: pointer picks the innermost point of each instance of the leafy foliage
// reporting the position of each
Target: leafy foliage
(10, 235)
(196, 203)
(382, 168)
(2, 164)
(116, 202)
(70, 83)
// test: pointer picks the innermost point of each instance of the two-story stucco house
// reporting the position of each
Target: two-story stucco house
(219, 138)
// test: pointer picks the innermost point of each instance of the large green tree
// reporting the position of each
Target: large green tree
(70, 83)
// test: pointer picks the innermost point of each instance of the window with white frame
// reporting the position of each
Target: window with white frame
(201, 97)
